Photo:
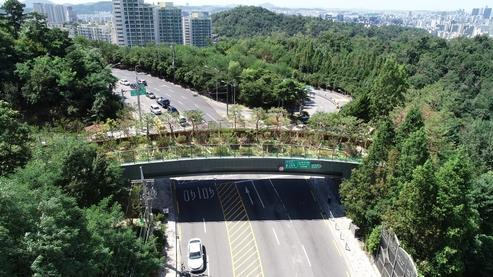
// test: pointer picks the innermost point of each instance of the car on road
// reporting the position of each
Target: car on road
(143, 82)
(155, 109)
(172, 109)
(302, 116)
(163, 102)
(151, 95)
(183, 121)
(195, 255)
(125, 82)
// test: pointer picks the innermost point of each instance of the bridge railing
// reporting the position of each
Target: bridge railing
(230, 150)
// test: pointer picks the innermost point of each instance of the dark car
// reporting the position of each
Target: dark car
(163, 102)
(172, 109)
(151, 95)
(302, 116)
(144, 82)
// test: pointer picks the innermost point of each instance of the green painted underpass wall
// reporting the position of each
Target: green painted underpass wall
(197, 166)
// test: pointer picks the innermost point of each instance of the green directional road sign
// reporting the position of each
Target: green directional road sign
(136, 92)
(300, 164)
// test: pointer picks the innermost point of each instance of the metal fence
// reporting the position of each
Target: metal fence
(392, 260)
(230, 150)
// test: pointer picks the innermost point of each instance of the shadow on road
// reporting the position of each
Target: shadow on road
(262, 199)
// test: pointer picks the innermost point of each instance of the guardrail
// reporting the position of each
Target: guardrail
(230, 150)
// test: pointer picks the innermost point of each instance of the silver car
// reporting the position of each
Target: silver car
(155, 109)
(195, 255)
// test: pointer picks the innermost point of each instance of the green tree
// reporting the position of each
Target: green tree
(236, 114)
(388, 89)
(278, 117)
(118, 252)
(482, 194)
(258, 115)
(60, 244)
(14, 140)
(196, 117)
(290, 92)
(170, 119)
(15, 15)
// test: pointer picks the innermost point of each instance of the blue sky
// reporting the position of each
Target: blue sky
(339, 4)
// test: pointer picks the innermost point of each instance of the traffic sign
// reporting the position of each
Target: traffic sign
(300, 164)
(136, 92)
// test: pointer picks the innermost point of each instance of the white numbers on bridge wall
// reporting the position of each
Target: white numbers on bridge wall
(199, 193)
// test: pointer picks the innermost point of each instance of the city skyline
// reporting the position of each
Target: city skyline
(334, 4)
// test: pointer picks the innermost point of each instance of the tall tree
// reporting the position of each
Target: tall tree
(15, 15)
(388, 89)
(14, 140)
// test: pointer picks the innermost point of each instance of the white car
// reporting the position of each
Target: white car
(183, 121)
(125, 82)
(155, 109)
(195, 255)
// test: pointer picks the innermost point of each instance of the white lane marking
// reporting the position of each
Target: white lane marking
(210, 116)
(258, 195)
(179, 102)
(249, 196)
(279, 196)
(208, 267)
(275, 190)
(306, 255)
(205, 229)
(275, 235)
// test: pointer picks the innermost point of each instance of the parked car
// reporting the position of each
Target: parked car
(155, 109)
(172, 109)
(195, 255)
(151, 95)
(124, 82)
(183, 121)
(163, 102)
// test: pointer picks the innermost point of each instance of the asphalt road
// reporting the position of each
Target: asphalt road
(263, 227)
(185, 99)
(181, 98)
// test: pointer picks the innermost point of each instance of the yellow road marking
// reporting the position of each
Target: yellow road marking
(227, 232)
(338, 251)
(229, 213)
(254, 239)
(241, 238)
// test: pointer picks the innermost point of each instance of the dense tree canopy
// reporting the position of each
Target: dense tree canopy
(47, 76)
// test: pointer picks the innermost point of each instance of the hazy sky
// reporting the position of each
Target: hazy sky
(339, 4)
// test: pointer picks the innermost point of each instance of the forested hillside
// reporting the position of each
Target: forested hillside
(60, 199)
(428, 175)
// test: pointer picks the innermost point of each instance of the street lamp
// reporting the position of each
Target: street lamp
(217, 71)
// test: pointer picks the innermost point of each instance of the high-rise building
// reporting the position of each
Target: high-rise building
(95, 31)
(486, 13)
(197, 29)
(170, 24)
(55, 14)
(475, 12)
(134, 22)
(186, 30)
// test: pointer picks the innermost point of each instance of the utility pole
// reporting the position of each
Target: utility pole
(138, 95)
(147, 196)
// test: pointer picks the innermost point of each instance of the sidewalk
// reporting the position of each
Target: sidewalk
(164, 201)
(359, 262)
